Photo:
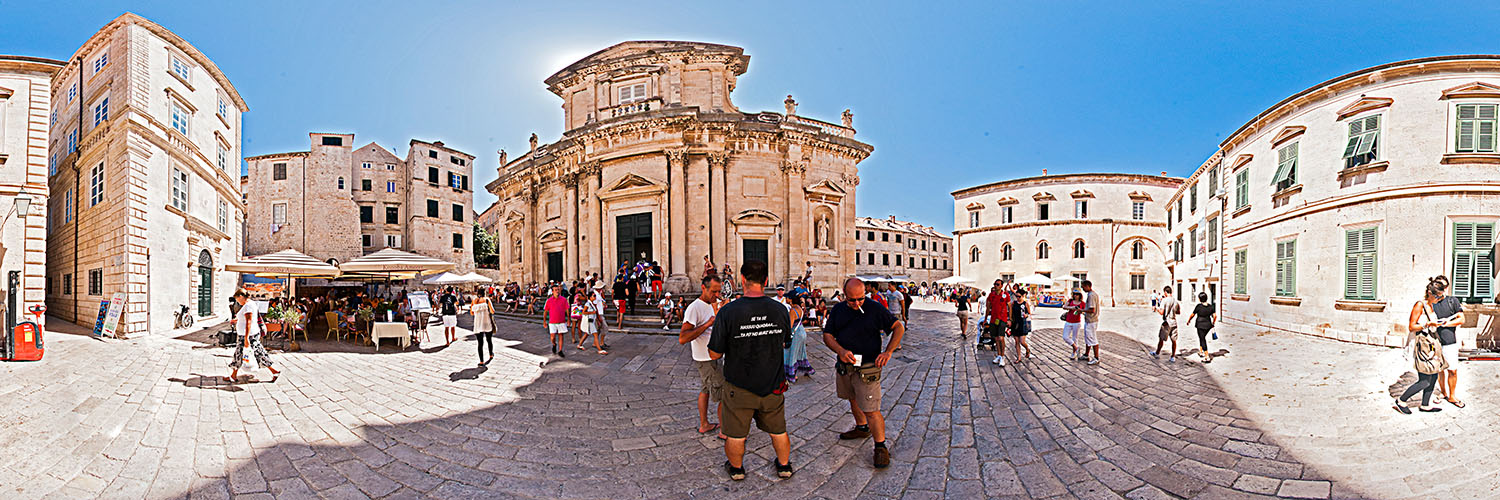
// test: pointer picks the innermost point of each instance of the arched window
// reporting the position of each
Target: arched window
(1006, 252)
(1137, 251)
(1078, 249)
(341, 183)
(974, 254)
(1042, 250)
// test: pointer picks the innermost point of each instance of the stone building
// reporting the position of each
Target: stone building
(336, 202)
(901, 249)
(144, 159)
(1106, 228)
(657, 161)
(1328, 212)
(25, 99)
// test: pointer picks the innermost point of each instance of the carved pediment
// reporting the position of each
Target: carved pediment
(827, 188)
(1365, 104)
(1240, 161)
(632, 181)
(1043, 196)
(1140, 196)
(552, 235)
(632, 185)
(1472, 90)
(1006, 201)
(756, 216)
(1286, 134)
(514, 217)
(974, 205)
(1082, 193)
(5, 93)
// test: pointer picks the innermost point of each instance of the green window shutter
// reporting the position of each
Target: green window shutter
(1242, 188)
(1367, 143)
(1353, 144)
(1463, 273)
(1240, 272)
(1483, 276)
(1463, 235)
(1291, 268)
(1484, 139)
(1466, 125)
(1351, 263)
(1372, 123)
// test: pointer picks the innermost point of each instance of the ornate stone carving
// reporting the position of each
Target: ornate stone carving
(849, 180)
(516, 249)
(676, 156)
(848, 117)
(791, 105)
(789, 167)
(718, 158)
(589, 168)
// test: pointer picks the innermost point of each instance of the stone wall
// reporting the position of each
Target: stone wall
(25, 100)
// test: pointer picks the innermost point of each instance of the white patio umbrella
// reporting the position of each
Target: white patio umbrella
(955, 280)
(1035, 279)
(286, 263)
(394, 262)
(475, 277)
(447, 278)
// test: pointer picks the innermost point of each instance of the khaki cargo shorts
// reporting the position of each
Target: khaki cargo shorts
(742, 406)
(712, 378)
(861, 387)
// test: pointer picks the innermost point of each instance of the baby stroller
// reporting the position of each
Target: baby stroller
(989, 332)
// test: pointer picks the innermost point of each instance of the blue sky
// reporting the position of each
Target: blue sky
(951, 94)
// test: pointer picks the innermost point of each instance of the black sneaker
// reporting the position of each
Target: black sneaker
(784, 471)
(1402, 408)
(735, 473)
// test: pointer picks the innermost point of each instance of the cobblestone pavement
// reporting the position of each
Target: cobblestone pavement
(1279, 415)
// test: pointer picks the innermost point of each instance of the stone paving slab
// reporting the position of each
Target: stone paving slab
(1277, 415)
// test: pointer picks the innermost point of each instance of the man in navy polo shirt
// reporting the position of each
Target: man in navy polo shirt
(853, 333)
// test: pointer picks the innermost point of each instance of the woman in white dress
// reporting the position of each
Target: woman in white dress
(484, 325)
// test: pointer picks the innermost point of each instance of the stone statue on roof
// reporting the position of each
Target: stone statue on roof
(848, 118)
(791, 105)
(533, 142)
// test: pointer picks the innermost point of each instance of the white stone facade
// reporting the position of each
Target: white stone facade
(25, 99)
(1106, 228)
(1396, 178)
(657, 160)
(890, 247)
(337, 202)
(144, 159)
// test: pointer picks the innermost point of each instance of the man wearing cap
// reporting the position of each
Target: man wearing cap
(853, 332)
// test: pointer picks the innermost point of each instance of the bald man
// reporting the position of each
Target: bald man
(853, 332)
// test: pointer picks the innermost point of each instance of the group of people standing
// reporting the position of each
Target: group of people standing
(1007, 314)
(1432, 334)
(733, 342)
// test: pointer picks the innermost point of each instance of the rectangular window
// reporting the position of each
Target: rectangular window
(1081, 209)
(72, 92)
(1193, 197)
(1169, 218)
(392, 215)
(1473, 272)
(223, 216)
(1364, 141)
(924, 262)
(101, 62)
(96, 184)
(870, 235)
(632, 93)
(364, 184)
(181, 68)
(223, 107)
(1286, 268)
(366, 240)
(1286, 167)
(390, 166)
(179, 189)
(1241, 264)
(1242, 188)
(1043, 211)
(333, 141)
(898, 260)
(458, 213)
(885, 236)
(1138, 210)
(101, 111)
(72, 141)
(278, 171)
(392, 241)
(1081, 277)
(973, 221)
(432, 175)
(432, 208)
(455, 181)
(924, 244)
(1179, 210)
(1177, 250)
(871, 260)
(885, 259)
(49, 285)
(278, 213)
(179, 118)
(1359, 264)
(1213, 234)
(1137, 282)
(365, 165)
(68, 206)
(223, 157)
(458, 240)
(96, 281)
(1476, 128)
(898, 238)
(1193, 242)
(432, 154)
(67, 284)
(366, 214)
(1007, 215)
(1213, 181)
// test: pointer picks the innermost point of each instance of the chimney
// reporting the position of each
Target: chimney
(893, 218)
(438, 144)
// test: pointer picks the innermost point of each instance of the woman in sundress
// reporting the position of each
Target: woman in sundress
(484, 325)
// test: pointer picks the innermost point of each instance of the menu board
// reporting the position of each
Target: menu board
(99, 323)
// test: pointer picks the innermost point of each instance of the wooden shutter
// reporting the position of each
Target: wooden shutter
(1463, 272)
(1242, 188)
(1351, 264)
(1291, 267)
(1240, 271)
(1466, 127)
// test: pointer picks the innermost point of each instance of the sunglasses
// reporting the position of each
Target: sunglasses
(856, 301)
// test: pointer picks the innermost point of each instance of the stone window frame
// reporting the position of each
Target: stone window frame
(96, 184)
(1137, 210)
(1080, 249)
(1007, 252)
(96, 281)
(181, 189)
(392, 240)
(223, 216)
(1137, 281)
(392, 214)
(1043, 250)
(284, 209)
(458, 241)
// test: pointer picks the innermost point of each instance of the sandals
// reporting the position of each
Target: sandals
(1457, 404)
(603, 352)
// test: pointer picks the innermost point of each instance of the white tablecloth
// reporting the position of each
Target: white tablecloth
(395, 330)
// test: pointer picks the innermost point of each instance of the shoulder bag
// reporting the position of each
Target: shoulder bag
(1428, 351)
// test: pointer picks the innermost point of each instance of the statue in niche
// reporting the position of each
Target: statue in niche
(516, 251)
(791, 105)
(848, 118)
(822, 231)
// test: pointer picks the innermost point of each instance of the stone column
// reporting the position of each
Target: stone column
(677, 165)
(570, 195)
(531, 250)
(718, 166)
(795, 224)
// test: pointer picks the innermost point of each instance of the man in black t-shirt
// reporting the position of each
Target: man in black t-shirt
(853, 333)
(617, 294)
(449, 303)
(750, 335)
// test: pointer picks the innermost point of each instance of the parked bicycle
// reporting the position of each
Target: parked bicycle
(184, 318)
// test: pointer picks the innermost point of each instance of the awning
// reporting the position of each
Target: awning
(395, 262)
(286, 263)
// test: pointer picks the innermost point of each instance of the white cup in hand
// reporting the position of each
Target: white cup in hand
(858, 360)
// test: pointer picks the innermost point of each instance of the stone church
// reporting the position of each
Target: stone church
(657, 163)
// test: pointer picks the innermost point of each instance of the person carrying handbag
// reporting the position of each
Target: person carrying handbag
(1428, 352)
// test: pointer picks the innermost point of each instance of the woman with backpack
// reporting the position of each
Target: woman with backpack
(1422, 326)
(1204, 318)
